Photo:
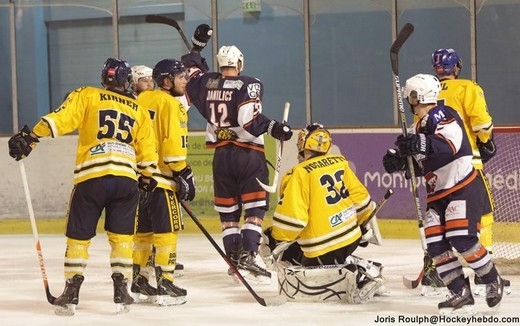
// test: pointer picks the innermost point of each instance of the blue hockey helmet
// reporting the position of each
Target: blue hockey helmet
(167, 68)
(444, 62)
(116, 73)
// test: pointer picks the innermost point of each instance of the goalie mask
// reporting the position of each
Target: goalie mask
(422, 89)
(116, 73)
(230, 56)
(314, 137)
(444, 61)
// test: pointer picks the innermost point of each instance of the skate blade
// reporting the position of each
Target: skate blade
(467, 310)
(250, 278)
(430, 291)
(122, 308)
(143, 298)
(166, 300)
(480, 289)
(66, 310)
(507, 290)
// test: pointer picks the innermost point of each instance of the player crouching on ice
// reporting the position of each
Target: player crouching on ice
(316, 227)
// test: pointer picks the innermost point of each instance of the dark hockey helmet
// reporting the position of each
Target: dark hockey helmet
(314, 137)
(116, 73)
(167, 68)
(444, 62)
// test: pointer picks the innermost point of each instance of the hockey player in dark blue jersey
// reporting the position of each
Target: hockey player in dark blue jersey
(455, 193)
(232, 106)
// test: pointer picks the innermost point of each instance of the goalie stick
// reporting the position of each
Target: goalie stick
(273, 187)
(170, 22)
(50, 297)
(269, 301)
(401, 38)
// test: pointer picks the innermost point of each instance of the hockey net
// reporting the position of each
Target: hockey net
(503, 173)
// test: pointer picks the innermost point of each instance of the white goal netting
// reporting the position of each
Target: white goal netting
(503, 173)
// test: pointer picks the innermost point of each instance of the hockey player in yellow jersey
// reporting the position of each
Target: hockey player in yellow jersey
(115, 141)
(321, 208)
(159, 218)
(467, 97)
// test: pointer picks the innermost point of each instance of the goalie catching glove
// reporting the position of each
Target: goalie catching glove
(271, 250)
(185, 184)
(22, 143)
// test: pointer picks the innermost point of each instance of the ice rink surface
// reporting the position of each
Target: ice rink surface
(213, 297)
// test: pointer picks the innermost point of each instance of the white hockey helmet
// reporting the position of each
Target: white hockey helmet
(229, 56)
(422, 89)
(140, 72)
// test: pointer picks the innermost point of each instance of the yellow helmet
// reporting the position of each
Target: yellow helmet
(314, 137)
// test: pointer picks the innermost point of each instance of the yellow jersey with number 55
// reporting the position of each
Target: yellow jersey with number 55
(115, 134)
(322, 202)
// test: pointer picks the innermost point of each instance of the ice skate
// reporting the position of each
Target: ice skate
(122, 298)
(460, 302)
(169, 294)
(65, 304)
(494, 292)
(179, 270)
(431, 283)
(480, 287)
(142, 291)
(250, 270)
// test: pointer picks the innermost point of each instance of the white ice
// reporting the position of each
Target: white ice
(213, 297)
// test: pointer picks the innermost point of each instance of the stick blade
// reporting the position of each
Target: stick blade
(162, 20)
(410, 284)
(275, 301)
(271, 189)
(401, 38)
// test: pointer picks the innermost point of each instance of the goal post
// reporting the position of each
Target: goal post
(503, 173)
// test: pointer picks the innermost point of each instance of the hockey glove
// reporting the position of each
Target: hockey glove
(393, 162)
(22, 143)
(185, 184)
(146, 185)
(279, 130)
(201, 37)
(487, 150)
(414, 144)
(193, 59)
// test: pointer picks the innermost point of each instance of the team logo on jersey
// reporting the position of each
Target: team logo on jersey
(336, 219)
(253, 90)
(431, 182)
(212, 83)
(98, 149)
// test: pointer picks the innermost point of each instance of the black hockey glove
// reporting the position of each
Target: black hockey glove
(201, 37)
(146, 185)
(185, 184)
(193, 59)
(393, 162)
(22, 143)
(487, 150)
(414, 144)
(279, 130)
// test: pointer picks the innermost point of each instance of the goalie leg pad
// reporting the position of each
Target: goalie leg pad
(317, 283)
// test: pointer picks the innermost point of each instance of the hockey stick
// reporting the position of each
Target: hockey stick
(401, 38)
(50, 297)
(373, 234)
(170, 22)
(269, 301)
(273, 187)
(412, 284)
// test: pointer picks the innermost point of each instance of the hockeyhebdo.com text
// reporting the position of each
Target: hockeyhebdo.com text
(509, 181)
(444, 320)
